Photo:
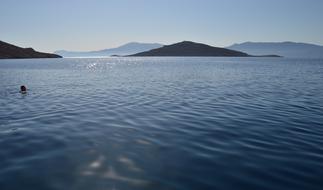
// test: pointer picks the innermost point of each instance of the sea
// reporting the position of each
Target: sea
(161, 123)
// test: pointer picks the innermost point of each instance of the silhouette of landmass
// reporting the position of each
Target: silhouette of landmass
(187, 48)
(286, 49)
(129, 48)
(9, 51)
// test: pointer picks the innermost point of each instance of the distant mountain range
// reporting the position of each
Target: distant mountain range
(187, 48)
(127, 49)
(285, 49)
(268, 49)
(9, 51)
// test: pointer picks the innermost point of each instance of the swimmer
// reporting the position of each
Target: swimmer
(23, 89)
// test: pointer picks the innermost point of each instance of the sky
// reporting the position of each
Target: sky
(81, 25)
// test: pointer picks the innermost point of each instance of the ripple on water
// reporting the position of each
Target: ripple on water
(161, 123)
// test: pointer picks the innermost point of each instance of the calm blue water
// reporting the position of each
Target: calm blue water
(161, 123)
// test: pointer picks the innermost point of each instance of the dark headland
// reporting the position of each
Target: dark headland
(187, 48)
(9, 51)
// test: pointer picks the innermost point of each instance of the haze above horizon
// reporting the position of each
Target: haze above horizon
(92, 25)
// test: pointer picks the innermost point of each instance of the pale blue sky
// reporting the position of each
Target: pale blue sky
(50, 25)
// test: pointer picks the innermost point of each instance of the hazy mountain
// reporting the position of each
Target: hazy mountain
(285, 49)
(129, 48)
(9, 51)
(187, 48)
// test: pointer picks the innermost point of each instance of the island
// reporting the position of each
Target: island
(285, 49)
(9, 51)
(188, 48)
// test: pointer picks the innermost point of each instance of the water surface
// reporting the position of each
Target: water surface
(161, 123)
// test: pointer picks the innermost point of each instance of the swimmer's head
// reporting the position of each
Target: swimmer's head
(23, 88)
